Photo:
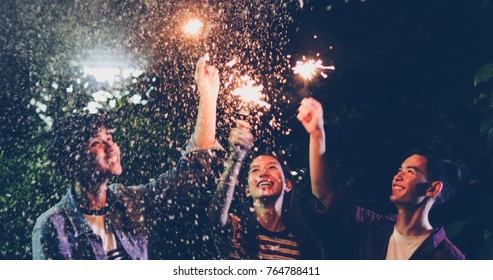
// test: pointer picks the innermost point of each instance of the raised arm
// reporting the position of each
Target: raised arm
(241, 140)
(310, 114)
(207, 80)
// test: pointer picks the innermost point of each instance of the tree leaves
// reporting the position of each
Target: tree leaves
(484, 74)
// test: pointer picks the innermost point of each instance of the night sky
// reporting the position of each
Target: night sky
(405, 77)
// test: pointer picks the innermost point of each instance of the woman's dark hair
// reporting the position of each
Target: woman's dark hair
(243, 205)
(68, 146)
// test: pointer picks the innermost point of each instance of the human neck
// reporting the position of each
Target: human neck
(413, 221)
(269, 213)
(91, 196)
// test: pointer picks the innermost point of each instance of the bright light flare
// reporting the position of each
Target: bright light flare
(308, 69)
(250, 92)
(192, 27)
(102, 74)
(107, 66)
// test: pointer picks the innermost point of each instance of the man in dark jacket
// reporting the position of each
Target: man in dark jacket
(424, 179)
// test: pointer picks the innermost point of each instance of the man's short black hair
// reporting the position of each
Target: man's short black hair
(440, 168)
(70, 135)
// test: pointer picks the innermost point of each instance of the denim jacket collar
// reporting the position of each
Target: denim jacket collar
(70, 206)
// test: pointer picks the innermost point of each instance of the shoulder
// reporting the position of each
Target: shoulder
(234, 226)
(54, 215)
(134, 192)
(362, 214)
(120, 190)
(448, 251)
(131, 199)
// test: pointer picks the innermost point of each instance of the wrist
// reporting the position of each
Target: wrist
(317, 134)
(207, 97)
(208, 102)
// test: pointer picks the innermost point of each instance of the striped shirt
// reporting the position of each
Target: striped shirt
(118, 254)
(273, 245)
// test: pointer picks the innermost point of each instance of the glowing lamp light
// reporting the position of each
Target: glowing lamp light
(192, 27)
(308, 69)
(110, 69)
(102, 74)
(106, 66)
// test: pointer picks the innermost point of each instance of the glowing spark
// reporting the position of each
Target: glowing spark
(309, 69)
(231, 63)
(192, 27)
(230, 80)
(250, 92)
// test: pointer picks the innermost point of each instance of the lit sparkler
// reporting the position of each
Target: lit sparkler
(308, 69)
(192, 27)
(250, 92)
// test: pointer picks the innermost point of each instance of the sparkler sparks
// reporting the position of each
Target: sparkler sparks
(308, 69)
(250, 92)
(192, 27)
(231, 63)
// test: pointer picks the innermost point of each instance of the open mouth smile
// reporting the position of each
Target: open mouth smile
(264, 184)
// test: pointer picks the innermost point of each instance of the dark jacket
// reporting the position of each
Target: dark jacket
(176, 208)
(351, 232)
(168, 216)
(372, 232)
(63, 233)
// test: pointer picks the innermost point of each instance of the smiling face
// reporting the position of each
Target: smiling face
(104, 154)
(410, 183)
(266, 178)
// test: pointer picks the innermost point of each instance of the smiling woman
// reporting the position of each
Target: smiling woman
(71, 135)
(272, 225)
(87, 223)
(266, 180)
(105, 152)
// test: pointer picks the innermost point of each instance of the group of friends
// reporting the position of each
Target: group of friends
(218, 204)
